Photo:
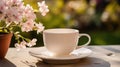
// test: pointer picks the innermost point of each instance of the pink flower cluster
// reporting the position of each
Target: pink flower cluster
(15, 13)
(43, 8)
(24, 43)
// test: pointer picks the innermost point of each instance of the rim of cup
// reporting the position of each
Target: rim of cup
(61, 30)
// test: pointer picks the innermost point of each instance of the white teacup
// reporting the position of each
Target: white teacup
(62, 41)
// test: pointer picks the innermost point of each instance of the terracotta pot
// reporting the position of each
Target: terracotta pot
(5, 40)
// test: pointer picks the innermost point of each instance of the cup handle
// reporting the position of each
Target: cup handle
(89, 39)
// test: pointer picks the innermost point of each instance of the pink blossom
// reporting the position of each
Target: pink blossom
(27, 26)
(13, 15)
(21, 45)
(2, 16)
(16, 13)
(2, 5)
(43, 8)
(32, 43)
(13, 11)
(2, 9)
(40, 27)
(29, 13)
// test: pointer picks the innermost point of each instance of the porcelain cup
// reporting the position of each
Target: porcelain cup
(62, 41)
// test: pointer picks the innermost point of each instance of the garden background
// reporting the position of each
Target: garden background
(99, 18)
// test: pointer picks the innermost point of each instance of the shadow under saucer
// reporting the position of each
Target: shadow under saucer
(6, 63)
(83, 62)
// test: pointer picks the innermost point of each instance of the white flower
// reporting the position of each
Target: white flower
(32, 43)
(43, 8)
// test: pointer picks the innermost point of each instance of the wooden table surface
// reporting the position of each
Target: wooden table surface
(102, 56)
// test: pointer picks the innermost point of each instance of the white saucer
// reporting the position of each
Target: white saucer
(45, 55)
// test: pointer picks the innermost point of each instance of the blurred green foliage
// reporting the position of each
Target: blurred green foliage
(99, 18)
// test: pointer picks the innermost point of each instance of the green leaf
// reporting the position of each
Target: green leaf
(2, 24)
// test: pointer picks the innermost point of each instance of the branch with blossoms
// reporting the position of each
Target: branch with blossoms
(14, 13)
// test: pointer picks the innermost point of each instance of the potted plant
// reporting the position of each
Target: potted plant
(15, 14)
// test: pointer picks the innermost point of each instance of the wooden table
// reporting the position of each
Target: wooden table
(102, 56)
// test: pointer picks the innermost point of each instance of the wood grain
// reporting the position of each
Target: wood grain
(102, 56)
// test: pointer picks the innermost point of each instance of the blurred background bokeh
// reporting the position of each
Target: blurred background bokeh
(98, 18)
